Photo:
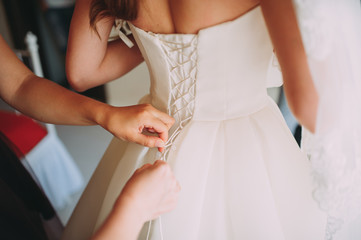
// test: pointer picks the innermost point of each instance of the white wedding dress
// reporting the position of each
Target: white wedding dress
(241, 172)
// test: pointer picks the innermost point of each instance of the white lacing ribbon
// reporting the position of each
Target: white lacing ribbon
(123, 30)
(160, 228)
(183, 84)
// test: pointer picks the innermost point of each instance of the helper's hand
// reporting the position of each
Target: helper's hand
(151, 191)
(132, 122)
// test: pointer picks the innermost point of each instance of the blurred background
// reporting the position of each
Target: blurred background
(49, 21)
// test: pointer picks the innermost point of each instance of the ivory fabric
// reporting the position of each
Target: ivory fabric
(242, 174)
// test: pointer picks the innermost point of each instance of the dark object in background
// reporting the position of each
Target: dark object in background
(58, 15)
(298, 134)
(23, 16)
(25, 212)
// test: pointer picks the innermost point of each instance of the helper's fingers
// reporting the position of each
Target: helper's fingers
(175, 186)
(159, 163)
(165, 118)
(163, 136)
(159, 127)
(149, 141)
(145, 166)
(156, 125)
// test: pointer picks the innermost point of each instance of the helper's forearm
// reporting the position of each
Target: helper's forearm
(48, 102)
(42, 99)
(122, 223)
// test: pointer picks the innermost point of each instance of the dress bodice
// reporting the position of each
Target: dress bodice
(219, 73)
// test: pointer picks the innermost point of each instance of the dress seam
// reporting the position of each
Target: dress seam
(266, 104)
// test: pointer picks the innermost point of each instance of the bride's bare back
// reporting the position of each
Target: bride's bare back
(188, 16)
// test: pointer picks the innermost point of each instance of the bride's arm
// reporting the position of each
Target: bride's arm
(300, 91)
(91, 60)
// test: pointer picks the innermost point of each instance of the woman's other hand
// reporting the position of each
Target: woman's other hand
(132, 124)
(151, 191)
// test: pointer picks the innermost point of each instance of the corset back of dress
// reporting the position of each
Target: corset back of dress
(219, 73)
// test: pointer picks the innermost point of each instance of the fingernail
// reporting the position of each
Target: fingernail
(159, 143)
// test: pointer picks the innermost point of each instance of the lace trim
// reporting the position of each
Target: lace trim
(314, 26)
